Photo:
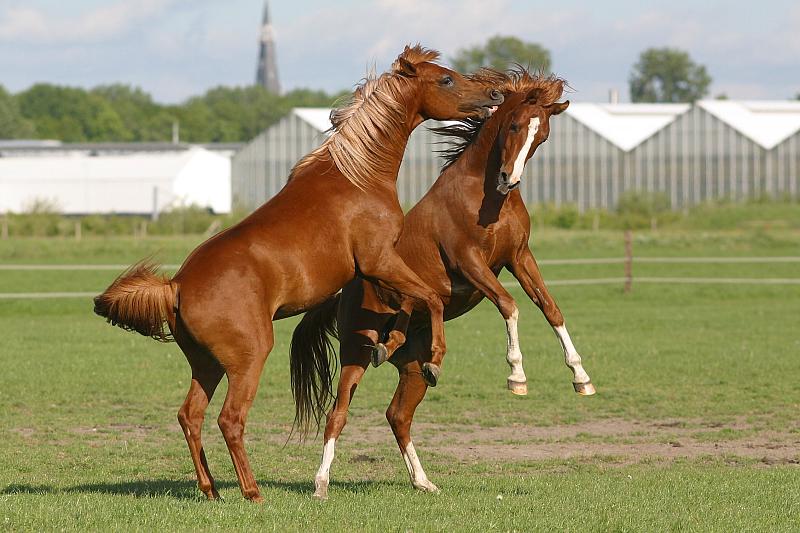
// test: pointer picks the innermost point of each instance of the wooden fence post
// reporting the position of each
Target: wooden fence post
(4, 230)
(628, 261)
(78, 230)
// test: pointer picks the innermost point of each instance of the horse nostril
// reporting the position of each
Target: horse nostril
(504, 176)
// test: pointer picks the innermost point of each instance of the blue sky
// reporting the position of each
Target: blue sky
(178, 48)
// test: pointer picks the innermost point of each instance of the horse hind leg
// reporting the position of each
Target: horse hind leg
(353, 369)
(243, 367)
(206, 375)
(411, 389)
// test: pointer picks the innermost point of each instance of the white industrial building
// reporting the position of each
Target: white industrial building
(596, 152)
(114, 178)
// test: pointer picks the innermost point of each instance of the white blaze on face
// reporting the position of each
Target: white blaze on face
(519, 163)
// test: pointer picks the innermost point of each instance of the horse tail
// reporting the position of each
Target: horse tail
(140, 299)
(311, 366)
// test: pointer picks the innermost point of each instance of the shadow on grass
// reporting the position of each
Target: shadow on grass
(184, 490)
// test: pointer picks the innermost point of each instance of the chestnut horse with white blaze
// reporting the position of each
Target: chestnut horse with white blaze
(337, 216)
(465, 230)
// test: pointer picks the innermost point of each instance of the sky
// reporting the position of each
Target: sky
(175, 49)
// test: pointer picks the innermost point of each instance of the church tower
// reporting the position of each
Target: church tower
(267, 72)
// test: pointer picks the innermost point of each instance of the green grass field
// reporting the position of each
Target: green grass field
(695, 425)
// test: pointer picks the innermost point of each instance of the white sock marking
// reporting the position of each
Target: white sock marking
(571, 356)
(418, 477)
(513, 353)
(323, 474)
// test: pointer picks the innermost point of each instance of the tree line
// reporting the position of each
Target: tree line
(120, 113)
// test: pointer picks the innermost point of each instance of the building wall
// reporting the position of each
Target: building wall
(694, 159)
(262, 167)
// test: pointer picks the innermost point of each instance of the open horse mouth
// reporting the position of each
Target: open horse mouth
(503, 185)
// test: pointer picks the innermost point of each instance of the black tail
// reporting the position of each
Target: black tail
(310, 364)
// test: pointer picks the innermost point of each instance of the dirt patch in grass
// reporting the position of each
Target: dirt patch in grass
(616, 441)
(624, 441)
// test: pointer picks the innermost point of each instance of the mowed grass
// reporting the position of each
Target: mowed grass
(90, 440)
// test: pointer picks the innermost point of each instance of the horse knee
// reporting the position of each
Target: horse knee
(191, 425)
(507, 307)
(231, 425)
(435, 305)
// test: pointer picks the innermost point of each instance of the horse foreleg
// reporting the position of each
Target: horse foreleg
(390, 270)
(397, 336)
(352, 371)
(476, 271)
(410, 391)
(525, 269)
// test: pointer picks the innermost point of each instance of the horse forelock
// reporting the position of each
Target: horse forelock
(416, 54)
(519, 80)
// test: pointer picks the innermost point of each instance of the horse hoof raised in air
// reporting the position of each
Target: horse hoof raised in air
(584, 389)
(430, 373)
(379, 355)
(520, 388)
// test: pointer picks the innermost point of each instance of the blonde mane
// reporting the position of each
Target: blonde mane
(363, 140)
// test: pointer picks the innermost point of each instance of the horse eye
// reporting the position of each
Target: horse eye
(448, 81)
(513, 127)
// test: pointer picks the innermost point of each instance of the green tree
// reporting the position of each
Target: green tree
(70, 114)
(118, 112)
(501, 52)
(143, 119)
(667, 75)
(12, 124)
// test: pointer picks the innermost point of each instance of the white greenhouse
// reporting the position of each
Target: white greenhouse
(81, 180)
(596, 152)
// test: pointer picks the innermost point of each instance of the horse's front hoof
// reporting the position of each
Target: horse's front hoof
(520, 388)
(584, 389)
(321, 492)
(430, 373)
(379, 354)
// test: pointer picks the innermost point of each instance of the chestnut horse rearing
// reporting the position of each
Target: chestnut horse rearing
(465, 230)
(337, 216)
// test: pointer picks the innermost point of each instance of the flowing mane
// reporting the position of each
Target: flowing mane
(364, 133)
(517, 80)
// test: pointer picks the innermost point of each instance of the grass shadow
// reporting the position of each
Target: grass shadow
(185, 490)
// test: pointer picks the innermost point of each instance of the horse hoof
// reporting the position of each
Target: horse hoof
(258, 498)
(430, 373)
(520, 388)
(321, 492)
(427, 486)
(379, 354)
(584, 389)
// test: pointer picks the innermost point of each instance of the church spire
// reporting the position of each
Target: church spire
(267, 72)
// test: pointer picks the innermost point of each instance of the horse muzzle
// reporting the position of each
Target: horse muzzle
(506, 182)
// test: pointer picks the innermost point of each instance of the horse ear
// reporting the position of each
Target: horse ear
(533, 95)
(405, 67)
(558, 108)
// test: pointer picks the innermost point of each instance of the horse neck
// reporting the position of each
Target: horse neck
(477, 169)
(410, 101)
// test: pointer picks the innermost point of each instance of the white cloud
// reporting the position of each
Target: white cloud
(22, 24)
